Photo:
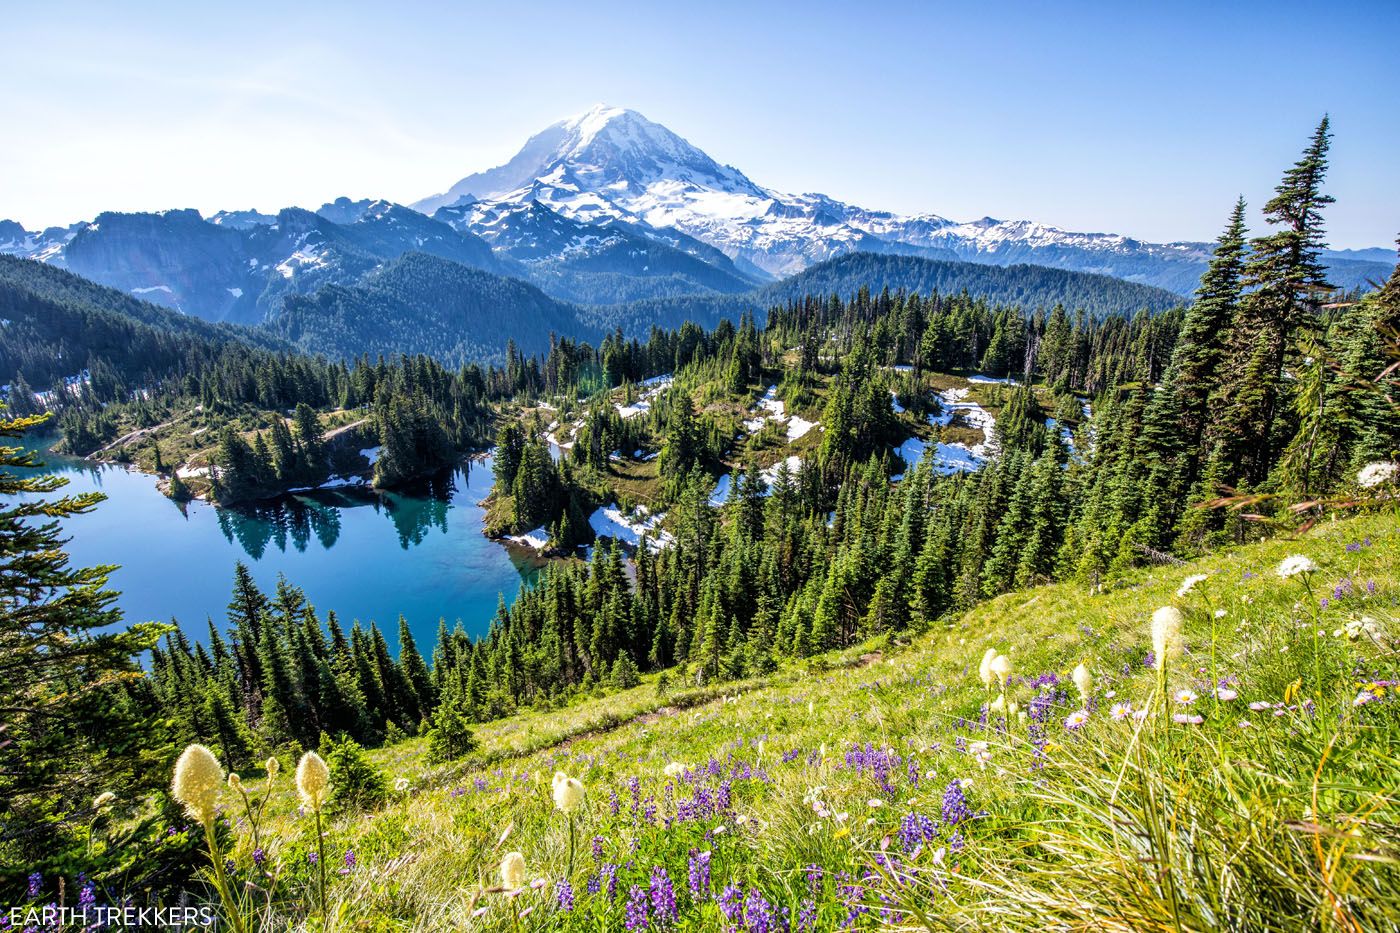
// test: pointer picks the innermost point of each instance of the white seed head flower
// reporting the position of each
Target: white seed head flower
(999, 704)
(1373, 474)
(1001, 669)
(1295, 564)
(1166, 634)
(313, 780)
(568, 794)
(984, 670)
(674, 769)
(401, 785)
(1083, 681)
(513, 871)
(1189, 584)
(272, 766)
(234, 781)
(198, 776)
(104, 800)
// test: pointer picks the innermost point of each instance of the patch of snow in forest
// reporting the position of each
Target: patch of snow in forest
(769, 476)
(798, 426)
(371, 454)
(611, 522)
(652, 388)
(771, 408)
(537, 539)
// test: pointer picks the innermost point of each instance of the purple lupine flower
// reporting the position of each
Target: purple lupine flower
(564, 895)
(636, 908)
(814, 877)
(955, 808)
(807, 916)
(915, 830)
(349, 862)
(311, 858)
(699, 873)
(259, 856)
(758, 913)
(609, 874)
(598, 849)
(731, 903)
(87, 893)
(614, 805)
(36, 884)
(663, 896)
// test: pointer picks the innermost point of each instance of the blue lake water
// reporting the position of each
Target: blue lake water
(366, 555)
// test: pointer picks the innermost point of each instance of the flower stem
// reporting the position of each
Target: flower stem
(221, 880)
(571, 848)
(321, 861)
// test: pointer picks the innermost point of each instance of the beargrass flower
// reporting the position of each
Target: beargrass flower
(513, 871)
(568, 792)
(198, 776)
(1374, 474)
(1295, 564)
(674, 769)
(104, 800)
(984, 669)
(313, 780)
(1001, 669)
(1166, 635)
(1083, 682)
(1189, 584)
(272, 766)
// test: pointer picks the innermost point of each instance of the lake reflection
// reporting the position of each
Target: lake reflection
(418, 551)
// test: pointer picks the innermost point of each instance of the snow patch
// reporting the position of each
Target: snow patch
(611, 522)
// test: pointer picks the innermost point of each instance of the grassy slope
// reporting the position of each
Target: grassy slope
(1044, 852)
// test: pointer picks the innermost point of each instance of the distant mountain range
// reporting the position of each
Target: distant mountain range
(606, 208)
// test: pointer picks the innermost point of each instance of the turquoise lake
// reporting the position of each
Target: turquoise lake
(366, 555)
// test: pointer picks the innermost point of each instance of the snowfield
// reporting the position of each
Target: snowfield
(651, 388)
(611, 522)
(771, 408)
(954, 458)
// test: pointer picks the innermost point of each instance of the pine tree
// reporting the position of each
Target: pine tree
(1286, 283)
(62, 662)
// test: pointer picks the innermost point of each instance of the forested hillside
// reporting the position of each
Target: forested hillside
(425, 304)
(1028, 287)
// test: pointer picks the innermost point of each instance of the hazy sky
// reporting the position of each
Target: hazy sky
(1090, 116)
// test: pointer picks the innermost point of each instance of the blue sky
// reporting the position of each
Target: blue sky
(1146, 119)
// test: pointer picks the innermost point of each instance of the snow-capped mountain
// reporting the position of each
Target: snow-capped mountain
(610, 164)
(615, 164)
(603, 208)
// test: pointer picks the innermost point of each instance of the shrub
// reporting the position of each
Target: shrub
(355, 783)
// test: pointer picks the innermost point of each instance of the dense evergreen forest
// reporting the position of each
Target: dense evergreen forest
(1263, 398)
